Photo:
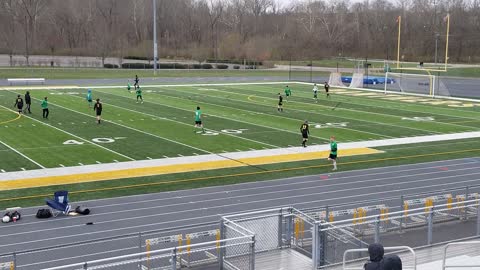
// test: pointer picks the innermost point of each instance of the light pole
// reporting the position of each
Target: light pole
(155, 53)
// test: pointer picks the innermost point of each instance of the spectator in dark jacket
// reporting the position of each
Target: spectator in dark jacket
(392, 262)
(376, 252)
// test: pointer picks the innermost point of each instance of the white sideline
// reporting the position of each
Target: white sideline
(228, 156)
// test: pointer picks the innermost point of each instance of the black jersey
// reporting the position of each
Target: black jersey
(98, 107)
(19, 102)
(280, 99)
(304, 128)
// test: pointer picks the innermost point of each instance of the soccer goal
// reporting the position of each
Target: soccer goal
(407, 83)
(335, 79)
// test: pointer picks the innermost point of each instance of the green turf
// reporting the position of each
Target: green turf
(237, 118)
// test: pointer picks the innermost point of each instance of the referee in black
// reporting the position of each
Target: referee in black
(305, 131)
(19, 104)
(28, 101)
(98, 110)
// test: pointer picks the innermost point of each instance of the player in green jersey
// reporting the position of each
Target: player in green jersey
(288, 92)
(198, 120)
(139, 95)
(89, 98)
(333, 152)
(129, 87)
(45, 108)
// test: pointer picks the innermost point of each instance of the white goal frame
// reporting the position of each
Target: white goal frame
(431, 83)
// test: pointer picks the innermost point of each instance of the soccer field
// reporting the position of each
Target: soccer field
(238, 117)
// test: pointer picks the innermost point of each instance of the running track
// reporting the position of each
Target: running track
(133, 214)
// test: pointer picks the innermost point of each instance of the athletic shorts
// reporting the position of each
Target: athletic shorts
(198, 122)
(326, 90)
(332, 156)
(89, 100)
(280, 104)
(305, 135)
(19, 106)
(99, 112)
(315, 96)
(287, 95)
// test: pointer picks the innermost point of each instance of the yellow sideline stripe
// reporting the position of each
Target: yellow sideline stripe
(168, 169)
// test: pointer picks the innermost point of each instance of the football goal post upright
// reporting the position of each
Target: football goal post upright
(410, 84)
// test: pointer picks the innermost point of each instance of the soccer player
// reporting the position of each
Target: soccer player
(315, 92)
(28, 101)
(129, 87)
(288, 92)
(139, 95)
(333, 152)
(326, 89)
(280, 103)
(198, 120)
(305, 131)
(98, 110)
(136, 82)
(44, 105)
(19, 104)
(89, 98)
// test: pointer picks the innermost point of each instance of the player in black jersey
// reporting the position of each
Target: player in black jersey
(98, 110)
(136, 85)
(19, 104)
(280, 103)
(305, 131)
(327, 87)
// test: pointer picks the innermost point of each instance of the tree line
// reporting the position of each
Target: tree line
(241, 29)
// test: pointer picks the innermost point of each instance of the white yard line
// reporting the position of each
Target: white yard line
(231, 156)
(73, 135)
(23, 155)
(131, 128)
(178, 122)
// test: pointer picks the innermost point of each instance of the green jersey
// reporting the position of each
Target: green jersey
(44, 104)
(288, 92)
(129, 86)
(198, 115)
(89, 97)
(333, 148)
(139, 92)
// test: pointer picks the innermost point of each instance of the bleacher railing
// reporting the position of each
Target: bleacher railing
(457, 265)
(411, 261)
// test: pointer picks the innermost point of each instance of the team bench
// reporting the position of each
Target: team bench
(26, 80)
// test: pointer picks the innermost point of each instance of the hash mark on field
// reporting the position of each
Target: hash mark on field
(81, 164)
(115, 160)
(253, 149)
(23, 169)
(84, 122)
(223, 151)
(61, 165)
(180, 155)
(98, 162)
(34, 125)
(195, 154)
(59, 124)
(238, 150)
(165, 156)
(149, 158)
(142, 119)
(2, 170)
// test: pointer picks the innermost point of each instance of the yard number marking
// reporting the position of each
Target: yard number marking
(419, 119)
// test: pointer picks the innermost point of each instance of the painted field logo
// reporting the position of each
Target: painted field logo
(419, 119)
(95, 140)
(226, 131)
(331, 125)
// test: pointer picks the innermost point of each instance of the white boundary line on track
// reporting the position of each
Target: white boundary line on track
(23, 155)
(222, 206)
(78, 137)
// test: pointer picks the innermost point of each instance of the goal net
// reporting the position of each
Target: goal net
(357, 80)
(408, 83)
(335, 79)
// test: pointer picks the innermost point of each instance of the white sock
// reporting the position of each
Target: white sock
(335, 164)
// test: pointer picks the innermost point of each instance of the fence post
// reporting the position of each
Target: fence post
(327, 213)
(401, 211)
(322, 235)
(252, 260)
(465, 211)
(430, 226)
(288, 229)
(377, 230)
(478, 221)
(280, 228)
(315, 245)
(221, 251)
(174, 258)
